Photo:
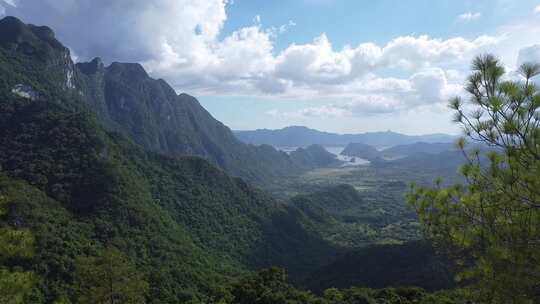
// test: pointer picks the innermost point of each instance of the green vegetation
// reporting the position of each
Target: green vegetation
(16, 248)
(348, 218)
(270, 286)
(92, 211)
(181, 222)
(109, 278)
(148, 111)
(491, 222)
(413, 263)
(423, 168)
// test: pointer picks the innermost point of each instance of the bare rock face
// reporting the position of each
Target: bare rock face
(38, 43)
(25, 91)
(91, 76)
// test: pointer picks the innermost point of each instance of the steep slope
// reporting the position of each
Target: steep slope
(295, 136)
(39, 44)
(147, 110)
(151, 113)
(85, 195)
(79, 187)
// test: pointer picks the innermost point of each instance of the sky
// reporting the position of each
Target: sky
(342, 66)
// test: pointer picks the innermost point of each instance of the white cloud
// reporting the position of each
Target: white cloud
(529, 54)
(10, 2)
(537, 9)
(373, 95)
(331, 110)
(285, 27)
(183, 42)
(469, 16)
(4, 4)
(137, 30)
(257, 19)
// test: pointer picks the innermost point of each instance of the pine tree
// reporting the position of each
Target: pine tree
(493, 221)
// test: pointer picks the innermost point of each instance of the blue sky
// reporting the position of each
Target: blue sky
(350, 22)
(356, 21)
(334, 65)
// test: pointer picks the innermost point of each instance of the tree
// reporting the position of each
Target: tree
(15, 244)
(333, 295)
(268, 286)
(493, 221)
(109, 278)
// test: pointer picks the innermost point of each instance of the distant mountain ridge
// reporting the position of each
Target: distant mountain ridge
(299, 136)
(419, 147)
(368, 152)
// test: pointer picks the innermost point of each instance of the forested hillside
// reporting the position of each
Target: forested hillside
(81, 189)
(127, 100)
(99, 201)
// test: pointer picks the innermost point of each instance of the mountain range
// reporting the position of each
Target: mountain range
(87, 162)
(299, 136)
(369, 152)
(147, 110)
(94, 156)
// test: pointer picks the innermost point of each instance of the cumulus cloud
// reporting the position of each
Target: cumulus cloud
(4, 4)
(537, 9)
(136, 30)
(183, 42)
(427, 87)
(469, 16)
(529, 54)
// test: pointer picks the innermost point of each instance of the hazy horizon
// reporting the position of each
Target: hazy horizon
(346, 133)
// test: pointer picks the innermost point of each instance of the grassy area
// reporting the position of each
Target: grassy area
(380, 215)
(361, 178)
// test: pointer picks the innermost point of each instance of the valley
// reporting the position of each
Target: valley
(381, 214)
(116, 187)
(87, 165)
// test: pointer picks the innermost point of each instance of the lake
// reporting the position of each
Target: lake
(336, 150)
